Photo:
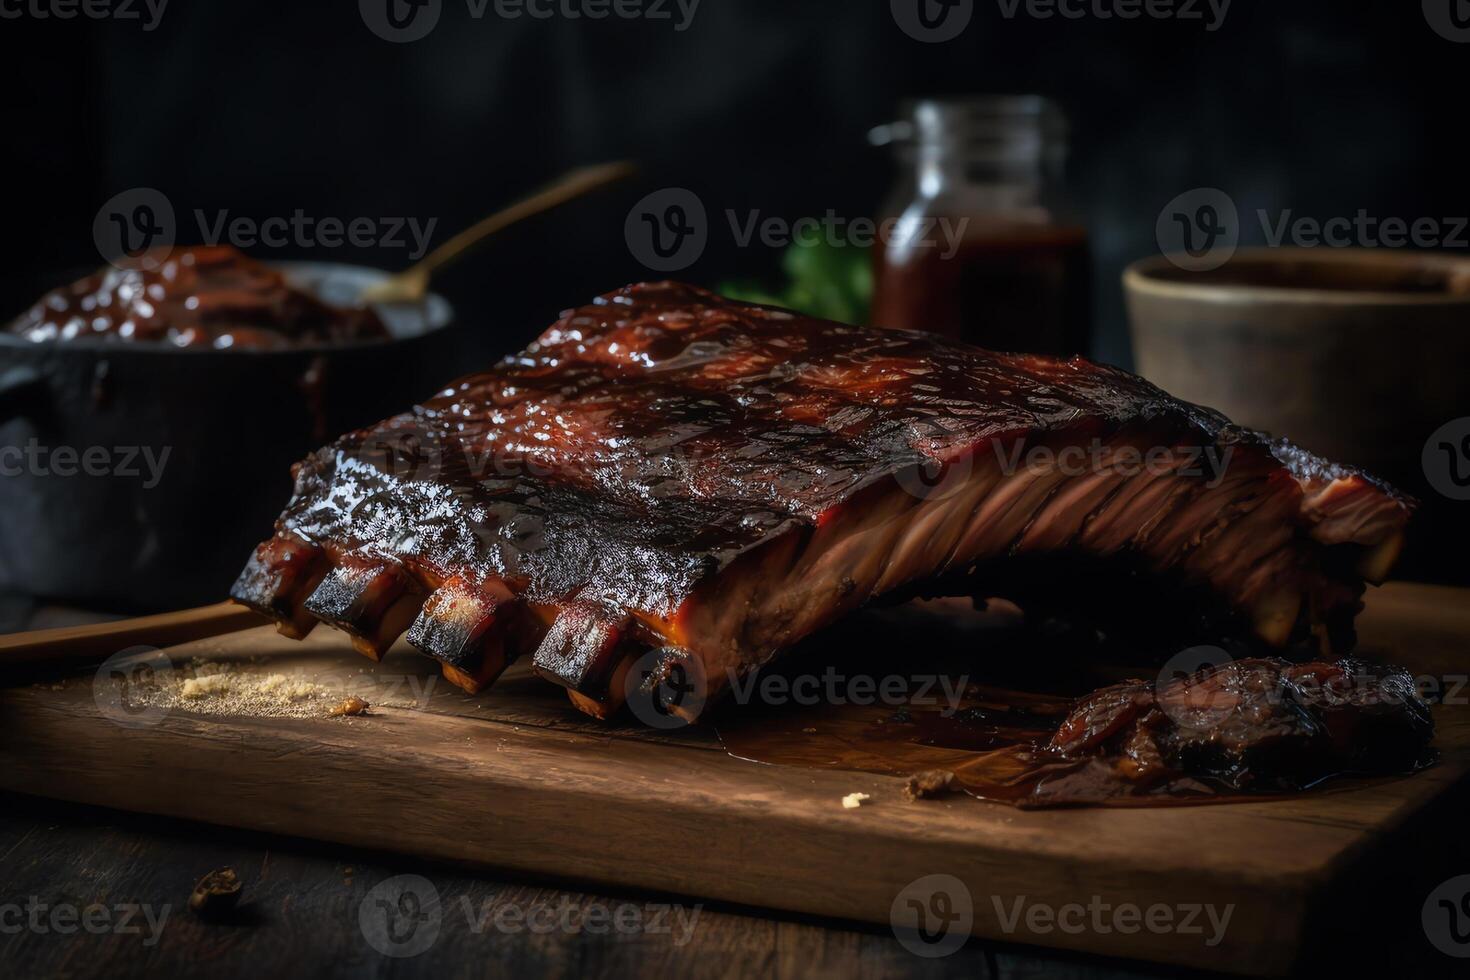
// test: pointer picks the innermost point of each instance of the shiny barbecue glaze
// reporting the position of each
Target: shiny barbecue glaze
(618, 470)
(202, 296)
(648, 439)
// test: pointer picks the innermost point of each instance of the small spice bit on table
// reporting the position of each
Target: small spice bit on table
(854, 800)
(216, 894)
(930, 782)
(350, 706)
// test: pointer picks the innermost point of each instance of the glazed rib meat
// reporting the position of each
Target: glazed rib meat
(666, 470)
(1247, 725)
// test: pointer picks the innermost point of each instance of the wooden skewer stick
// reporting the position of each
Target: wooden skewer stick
(71, 646)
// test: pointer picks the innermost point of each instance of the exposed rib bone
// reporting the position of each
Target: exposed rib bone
(373, 603)
(1378, 562)
(465, 629)
(281, 573)
(1275, 616)
(614, 698)
(580, 652)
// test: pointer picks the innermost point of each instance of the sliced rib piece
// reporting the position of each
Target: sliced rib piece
(666, 469)
(1258, 724)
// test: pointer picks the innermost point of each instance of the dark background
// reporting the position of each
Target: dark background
(1321, 107)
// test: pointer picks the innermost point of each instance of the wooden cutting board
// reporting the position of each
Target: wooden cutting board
(515, 779)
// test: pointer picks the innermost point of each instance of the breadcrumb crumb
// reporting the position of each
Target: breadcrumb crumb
(930, 782)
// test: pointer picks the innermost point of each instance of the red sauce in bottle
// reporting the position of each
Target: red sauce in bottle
(1014, 289)
(979, 244)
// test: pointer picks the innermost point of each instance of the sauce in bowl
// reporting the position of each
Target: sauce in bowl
(195, 297)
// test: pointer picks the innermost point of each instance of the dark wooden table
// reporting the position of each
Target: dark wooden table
(299, 916)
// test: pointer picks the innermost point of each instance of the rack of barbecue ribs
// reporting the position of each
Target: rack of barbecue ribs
(671, 480)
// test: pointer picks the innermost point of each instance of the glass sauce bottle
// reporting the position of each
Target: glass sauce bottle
(980, 245)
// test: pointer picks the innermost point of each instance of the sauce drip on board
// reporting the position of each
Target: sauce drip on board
(194, 297)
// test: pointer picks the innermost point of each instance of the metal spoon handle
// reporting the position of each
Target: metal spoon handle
(414, 281)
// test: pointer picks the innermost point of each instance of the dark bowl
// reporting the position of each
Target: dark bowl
(139, 477)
